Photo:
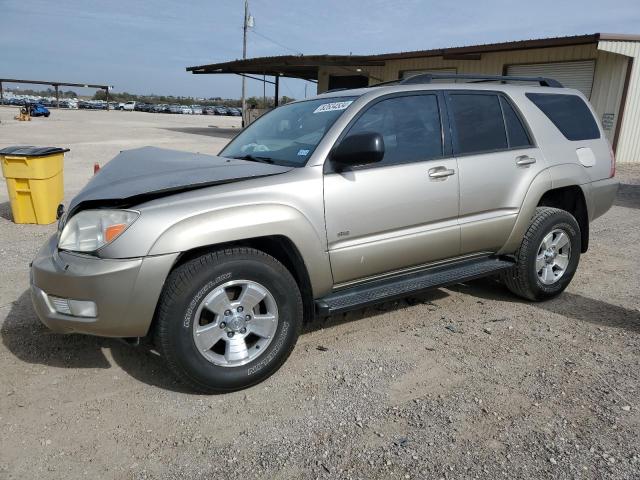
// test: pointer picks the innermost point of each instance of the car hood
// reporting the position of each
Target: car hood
(138, 175)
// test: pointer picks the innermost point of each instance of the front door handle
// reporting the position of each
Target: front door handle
(440, 172)
(524, 160)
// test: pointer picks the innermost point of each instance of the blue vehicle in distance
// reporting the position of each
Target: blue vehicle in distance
(38, 110)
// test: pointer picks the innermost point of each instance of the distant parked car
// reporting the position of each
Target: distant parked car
(131, 105)
(208, 110)
(186, 110)
(37, 110)
(220, 110)
(175, 108)
(196, 109)
(234, 111)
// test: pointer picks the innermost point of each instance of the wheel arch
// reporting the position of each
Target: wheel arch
(281, 248)
(571, 199)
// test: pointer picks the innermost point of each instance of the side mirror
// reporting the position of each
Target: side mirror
(359, 149)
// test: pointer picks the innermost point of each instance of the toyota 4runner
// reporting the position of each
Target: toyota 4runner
(324, 205)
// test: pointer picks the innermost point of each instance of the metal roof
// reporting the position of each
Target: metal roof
(298, 66)
(306, 66)
(53, 83)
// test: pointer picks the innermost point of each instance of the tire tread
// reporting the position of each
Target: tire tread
(517, 279)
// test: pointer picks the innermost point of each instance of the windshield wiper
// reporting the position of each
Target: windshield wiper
(254, 158)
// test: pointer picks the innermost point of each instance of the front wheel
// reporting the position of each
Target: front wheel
(548, 256)
(228, 319)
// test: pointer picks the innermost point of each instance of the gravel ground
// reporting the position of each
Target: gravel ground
(465, 382)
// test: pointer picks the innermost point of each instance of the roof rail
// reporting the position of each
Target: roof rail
(428, 77)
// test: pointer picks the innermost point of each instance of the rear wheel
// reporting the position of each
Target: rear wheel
(548, 256)
(228, 319)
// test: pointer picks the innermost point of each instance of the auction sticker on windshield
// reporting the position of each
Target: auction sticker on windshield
(331, 107)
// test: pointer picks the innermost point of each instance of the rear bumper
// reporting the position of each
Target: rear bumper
(600, 196)
(125, 291)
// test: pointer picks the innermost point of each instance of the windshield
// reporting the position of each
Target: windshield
(289, 134)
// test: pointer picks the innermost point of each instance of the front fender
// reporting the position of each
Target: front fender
(251, 221)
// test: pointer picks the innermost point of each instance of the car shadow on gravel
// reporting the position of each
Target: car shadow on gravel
(31, 342)
(628, 196)
(571, 305)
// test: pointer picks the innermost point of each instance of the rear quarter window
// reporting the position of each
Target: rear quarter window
(569, 113)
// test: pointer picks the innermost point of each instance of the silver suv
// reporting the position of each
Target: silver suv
(348, 199)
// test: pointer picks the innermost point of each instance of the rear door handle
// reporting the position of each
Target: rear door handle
(524, 160)
(440, 172)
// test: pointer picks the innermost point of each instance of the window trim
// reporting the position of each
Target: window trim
(445, 134)
(497, 93)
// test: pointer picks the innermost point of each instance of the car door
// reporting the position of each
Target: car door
(401, 212)
(497, 161)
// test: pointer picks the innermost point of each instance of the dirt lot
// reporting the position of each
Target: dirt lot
(466, 382)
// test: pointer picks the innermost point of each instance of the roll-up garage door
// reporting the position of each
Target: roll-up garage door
(578, 75)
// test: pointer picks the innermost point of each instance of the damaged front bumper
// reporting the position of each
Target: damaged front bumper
(123, 292)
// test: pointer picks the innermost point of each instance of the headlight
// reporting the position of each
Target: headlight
(89, 230)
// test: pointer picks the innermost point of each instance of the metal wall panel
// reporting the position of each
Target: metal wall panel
(608, 85)
(628, 149)
(492, 63)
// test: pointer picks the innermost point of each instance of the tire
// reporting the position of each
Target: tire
(185, 326)
(46, 115)
(525, 279)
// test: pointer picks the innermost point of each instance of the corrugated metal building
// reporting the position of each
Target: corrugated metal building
(605, 67)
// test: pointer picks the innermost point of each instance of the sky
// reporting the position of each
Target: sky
(144, 46)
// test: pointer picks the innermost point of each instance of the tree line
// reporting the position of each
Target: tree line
(256, 102)
(49, 92)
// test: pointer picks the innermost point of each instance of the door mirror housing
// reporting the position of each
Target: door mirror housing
(359, 149)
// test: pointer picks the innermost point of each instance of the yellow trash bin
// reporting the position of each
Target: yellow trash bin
(34, 180)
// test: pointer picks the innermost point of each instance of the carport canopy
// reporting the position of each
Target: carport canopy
(55, 85)
(303, 67)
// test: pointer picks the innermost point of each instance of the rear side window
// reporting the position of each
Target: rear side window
(478, 123)
(568, 113)
(517, 135)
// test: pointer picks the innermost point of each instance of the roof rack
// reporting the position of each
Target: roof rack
(428, 77)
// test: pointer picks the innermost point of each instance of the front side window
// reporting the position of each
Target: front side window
(289, 134)
(409, 125)
(478, 123)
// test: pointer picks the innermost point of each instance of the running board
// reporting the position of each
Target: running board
(399, 286)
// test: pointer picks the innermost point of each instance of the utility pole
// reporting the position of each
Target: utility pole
(245, 25)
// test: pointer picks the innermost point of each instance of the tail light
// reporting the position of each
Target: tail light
(612, 172)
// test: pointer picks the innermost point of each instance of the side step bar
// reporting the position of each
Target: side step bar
(399, 286)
